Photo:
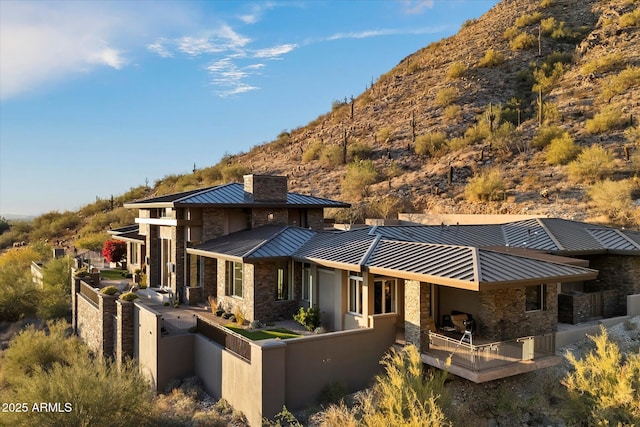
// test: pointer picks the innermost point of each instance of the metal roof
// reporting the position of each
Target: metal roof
(464, 235)
(346, 249)
(128, 233)
(269, 241)
(231, 195)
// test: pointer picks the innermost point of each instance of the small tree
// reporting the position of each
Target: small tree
(114, 250)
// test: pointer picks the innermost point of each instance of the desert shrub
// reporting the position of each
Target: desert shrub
(57, 367)
(546, 3)
(445, 96)
(383, 134)
(385, 207)
(456, 144)
(239, 315)
(312, 152)
(282, 140)
(331, 156)
(523, 41)
(233, 172)
(526, 19)
(456, 70)
(55, 297)
(603, 64)
(360, 175)
(609, 118)
(129, 296)
(630, 19)
(547, 25)
(547, 75)
(632, 135)
(612, 198)
(333, 392)
(491, 58)
(452, 112)
(433, 144)
(92, 242)
(561, 150)
(309, 317)
(477, 133)
(359, 150)
(484, 186)
(604, 386)
(402, 396)
(618, 84)
(393, 170)
(109, 290)
(545, 135)
(511, 33)
(592, 164)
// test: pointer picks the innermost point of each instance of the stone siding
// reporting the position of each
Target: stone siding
(266, 307)
(416, 313)
(266, 216)
(232, 303)
(618, 273)
(503, 316)
(266, 188)
(89, 323)
(124, 331)
(213, 221)
(315, 219)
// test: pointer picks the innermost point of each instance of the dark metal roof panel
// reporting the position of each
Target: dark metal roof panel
(240, 243)
(633, 235)
(463, 235)
(283, 244)
(572, 235)
(500, 267)
(613, 239)
(346, 247)
(528, 234)
(453, 262)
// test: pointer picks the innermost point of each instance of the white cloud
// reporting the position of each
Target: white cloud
(226, 75)
(159, 48)
(275, 51)
(46, 42)
(384, 32)
(416, 6)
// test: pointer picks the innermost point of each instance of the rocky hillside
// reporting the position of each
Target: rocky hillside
(471, 102)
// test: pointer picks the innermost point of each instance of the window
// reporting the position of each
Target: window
(534, 298)
(283, 291)
(234, 278)
(133, 250)
(355, 294)
(307, 282)
(384, 300)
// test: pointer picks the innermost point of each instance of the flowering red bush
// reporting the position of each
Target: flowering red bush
(114, 250)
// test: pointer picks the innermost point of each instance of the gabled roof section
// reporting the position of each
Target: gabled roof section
(128, 233)
(231, 195)
(463, 235)
(267, 242)
(529, 234)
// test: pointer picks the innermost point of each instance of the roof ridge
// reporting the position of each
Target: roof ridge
(203, 190)
(369, 252)
(265, 241)
(550, 234)
(617, 231)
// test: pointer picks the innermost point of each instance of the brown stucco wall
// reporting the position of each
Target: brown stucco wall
(502, 314)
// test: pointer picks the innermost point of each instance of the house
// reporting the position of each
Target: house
(491, 296)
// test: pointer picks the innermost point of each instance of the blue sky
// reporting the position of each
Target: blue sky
(98, 97)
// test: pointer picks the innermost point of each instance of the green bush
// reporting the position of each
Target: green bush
(612, 198)
(452, 112)
(109, 290)
(360, 175)
(129, 296)
(485, 186)
(547, 25)
(526, 20)
(383, 135)
(604, 386)
(523, 41)
(545, 135)
(433, 144)
(561, 150)
(331, 156)
(477, 133)
(359, 150)
(592, 164)
(609, 118)
(57, 367)
(93, 241)
(445, 96)
(234, 173)
(456, 70)
(630, 19)
(603, 64)
(620, 83)
(491, 58)
(309, 317)
(511, 33)
(312, 152)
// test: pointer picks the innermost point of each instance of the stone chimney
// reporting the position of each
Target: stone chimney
(266, 188)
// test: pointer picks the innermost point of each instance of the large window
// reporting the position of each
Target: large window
(133, 250)
(355, 294)
(234, 278)
(283, 289)
(384, 292)
(534, 298)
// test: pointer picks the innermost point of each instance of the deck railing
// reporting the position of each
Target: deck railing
(492, 355)
(233, 342)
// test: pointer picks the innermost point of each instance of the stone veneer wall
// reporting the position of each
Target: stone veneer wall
(124, 331)
(315, 219)
(95, 325)
(502, 314)
(416, 313)
(212, 223)
(260, 217)
(210, 278)
(266, 187)
(266, 307)
(232, 303)
(617, 272)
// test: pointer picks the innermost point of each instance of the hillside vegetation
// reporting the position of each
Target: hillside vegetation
(532, 108)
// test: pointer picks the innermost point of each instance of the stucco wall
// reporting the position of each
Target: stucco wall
(147, 340)
(175, 359)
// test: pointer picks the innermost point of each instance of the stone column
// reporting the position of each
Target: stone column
(107, 310)
(75, 289)
(124, 331)
(416, 313)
